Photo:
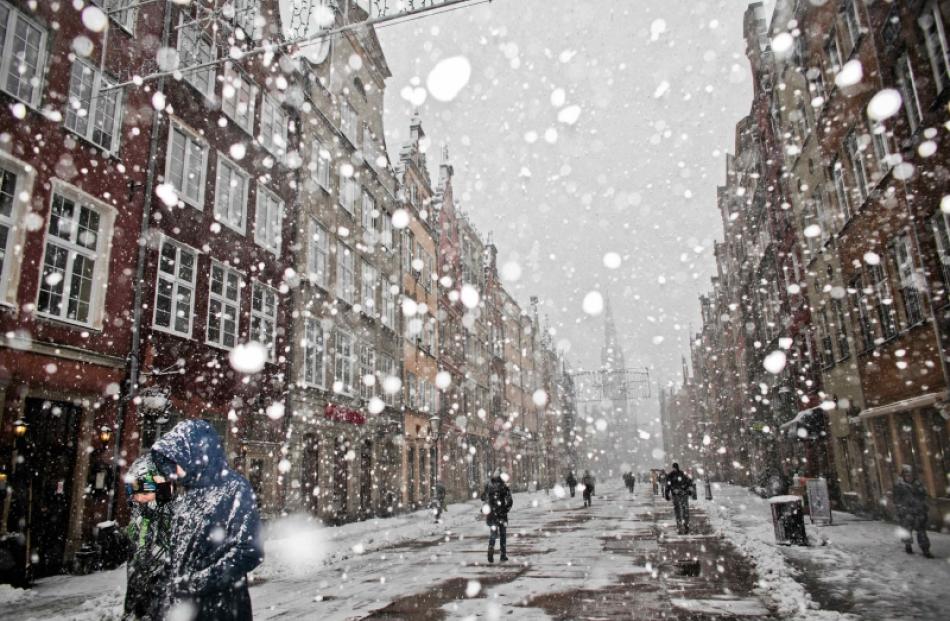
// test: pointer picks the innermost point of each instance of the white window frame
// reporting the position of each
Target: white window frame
(882, 147)
(274, 124)
(941, 229)
(367, 207)
(190, 139)
(840, 189)
(387, 236)
(236, 192)
(177, 283)
(907, 279)
(225, 302)
(318, 254)
(125, 18)
(852, 21)
(191, 34)
(859, 168)
(350, 123)
(345, 273)
(99, 255)
(348, 193)
(270, 213)
(264, 321)
(242, 102)
(12, 263)
(368, 278)
(907, 84)
(833, 51)
(344, 361)
(22, 89)
(935, 41)
(367, 368)
(387, 368)
(314, 353)
(388, 306)
(319, 164)
(86, 106)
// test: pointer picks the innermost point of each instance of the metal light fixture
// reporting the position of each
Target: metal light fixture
(434, 424)
(105, 434)
(20, 427)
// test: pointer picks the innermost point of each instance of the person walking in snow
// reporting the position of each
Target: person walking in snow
(910, 501)
(588, 482)
(630, 481)
(498, 501)
(679, 487)
(149, 541)
(215, 526)
(438, 500)
(571, 482)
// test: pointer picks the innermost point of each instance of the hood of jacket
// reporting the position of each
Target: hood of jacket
(196, 447)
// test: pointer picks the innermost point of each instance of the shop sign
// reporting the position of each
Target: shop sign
(340, 414)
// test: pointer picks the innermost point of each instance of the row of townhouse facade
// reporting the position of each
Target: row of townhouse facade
(196, 222)
(833, 363)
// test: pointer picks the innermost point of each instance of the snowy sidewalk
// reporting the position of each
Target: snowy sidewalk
(861, 571)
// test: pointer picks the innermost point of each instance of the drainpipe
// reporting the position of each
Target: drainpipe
(132, 377)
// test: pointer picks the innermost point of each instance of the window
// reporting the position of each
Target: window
(8, 226)
(245, 16)
(906, 274)
(267, 221)
(908, 89)
(368, 288)
(349, 123)
(343, 363)
(367, 371)
(841, 191)
(264, 317)
(368, 214)
(824, 327)
(186, 164)
(23, 57)
(941, 228)
(230, 194)
(935, 37)
(349, 193)
(117, 11)
(174, 290)
(319, 165)
(858, 167)
(194, 49)
(816, 86)
(840, 330)
(72, 259)
(860, 306)
(387, 368)
(238, 97)
(345, 278)
(318, 254)
(411, 390)
(313, 353)
(833, 52)
(852, 23)
(883, 300)
(274, 124)
(94, 115)
(408, 250)
(223, 305)
(882, 147)
(388, 311)
(386, 239)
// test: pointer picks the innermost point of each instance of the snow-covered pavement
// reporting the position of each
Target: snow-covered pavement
(567, 562)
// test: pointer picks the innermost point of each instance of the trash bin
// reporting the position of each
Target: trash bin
(788, 520)
(13, 568)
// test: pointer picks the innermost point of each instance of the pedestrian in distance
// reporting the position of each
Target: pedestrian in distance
(438, 500)
(149, 541)
(215, 526)
(497, 502)
(679, 487)
(630, 480)
(910, 501)
(588, 482)
(571, 482)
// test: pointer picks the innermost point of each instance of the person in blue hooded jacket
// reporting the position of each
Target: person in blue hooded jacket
(215, 526)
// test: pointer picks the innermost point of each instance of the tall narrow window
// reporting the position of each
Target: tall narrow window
(841, 191)
(69, 261)
(841, 332)
(175, 287)
(230, 194)
(882, 147)
(386, 238)
(186, 164)
(23, 57)
(313, 353)
(367, 377)
(858, 166)
(238, 97)
(941, 229)
(852, 22)
(343, 363)
(388, 311)
(319, 165)
(906, 274)
(345, 276)
(94, 115)
(860, 307)
(8, 198)
(348, 193)
(833, 52)
(264, 317)
(908, 89)
(932, 24)
(387, 369)
(224, 304)
(274, 123)
(368, 288)
(318, 254)
(368, 213)
(268, 220)
(884, 303)
(349, 123)
(195, 50)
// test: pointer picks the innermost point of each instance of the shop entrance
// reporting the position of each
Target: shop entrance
(49, 460)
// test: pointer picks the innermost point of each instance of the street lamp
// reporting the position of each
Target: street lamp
(20, 427)
(105, 434)
(435, 427)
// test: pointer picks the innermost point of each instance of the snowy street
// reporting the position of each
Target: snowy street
(566, 562)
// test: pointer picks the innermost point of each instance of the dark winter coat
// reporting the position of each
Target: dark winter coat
(910, 501)
(679, 484)
(215, 524)
(497, 496)
(571, 480)
(149, 555)
(588, 482)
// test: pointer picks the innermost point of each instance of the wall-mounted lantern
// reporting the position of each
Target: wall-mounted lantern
(105, 434)
(20, 427)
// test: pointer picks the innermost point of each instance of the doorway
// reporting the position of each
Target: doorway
(366, 478)
(340, 476)
(310, 475)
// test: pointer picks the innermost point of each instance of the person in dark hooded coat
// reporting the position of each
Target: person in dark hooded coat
(910, 500)
(571, 482)
(215, 530)
(498, 501)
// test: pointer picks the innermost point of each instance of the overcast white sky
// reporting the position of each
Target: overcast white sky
(635, 175)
